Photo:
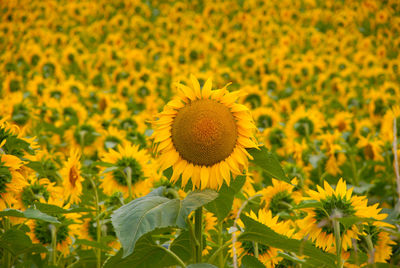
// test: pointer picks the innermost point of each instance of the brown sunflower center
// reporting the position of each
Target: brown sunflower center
(204, 132)
(73, 175)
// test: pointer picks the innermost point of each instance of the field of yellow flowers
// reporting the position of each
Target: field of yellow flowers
(199, 134)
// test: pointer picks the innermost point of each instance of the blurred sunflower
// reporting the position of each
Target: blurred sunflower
(64, 232)
(374, 234)
(72, 178)
(318, 224)
(266, 254)
(203, 134)
(130, 163)
(280, 197)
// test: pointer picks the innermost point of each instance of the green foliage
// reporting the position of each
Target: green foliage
(249, 261)
(153, 211)
(29, 214)
(222, 205)
(17, 242)
(268, 162)
(257, 232)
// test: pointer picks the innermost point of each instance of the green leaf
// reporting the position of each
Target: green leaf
(29, 214)
(201, 265)
(93, 244)
(309, 204)
(147, 254)
(53, 209)
(249, 261)
(222, 205)
(181, 246)
(351, 220)
(257, 232)
(268, 162)
(147, 213)
(17, 242)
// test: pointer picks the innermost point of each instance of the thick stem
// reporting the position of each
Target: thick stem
(53, 231)
(220, 241)
(396, 160)
(371, 249)
(198, 230)
(129, 181)
(336, 228)
(7, 254)
(98, 225)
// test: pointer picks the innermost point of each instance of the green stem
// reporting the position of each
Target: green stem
(98, 225)
(336, 229)
(255, 244)
(194, 243)
(129, 181)
(198, 230)
(53, 231)
(7, 255)
(172, 254)
(220, 241)
(219, 253)
(354, 169)
(371, 257)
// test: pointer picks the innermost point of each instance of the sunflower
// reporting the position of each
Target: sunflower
(318, 225)
(66, 230)
(71, 175)
(11, 180)
(39, 190)
(380, 239)
(280, 197)
(203, 134)
(128, 162)
(266, 254)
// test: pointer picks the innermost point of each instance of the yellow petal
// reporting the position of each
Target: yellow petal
(204, 177)
(196, 86)
(187, 173)
(187, 91)
(224, 168)
(207, 88)
(168, 159)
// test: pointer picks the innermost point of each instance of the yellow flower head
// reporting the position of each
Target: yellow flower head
(266, 254)
(203, 134)
(71, 175)
(318, 225)
(130, 162)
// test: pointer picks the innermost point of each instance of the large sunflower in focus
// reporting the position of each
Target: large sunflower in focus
(203, 134)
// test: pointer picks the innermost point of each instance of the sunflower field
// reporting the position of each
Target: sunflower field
(199, 134)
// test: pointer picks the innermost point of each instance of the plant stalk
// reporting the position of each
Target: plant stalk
(98, 225)
(336, 229)
(53, 231)
(198, 230)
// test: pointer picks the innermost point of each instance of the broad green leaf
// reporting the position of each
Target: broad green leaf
(147, 254)
(93, 244)
(147, 213)
(29, 214)
(268, 161)
(309, 204)
(17, 242)
(257, 232)
(222, 205)
(181, 246)
(201, 265)
(53, 209)
(249, 261)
